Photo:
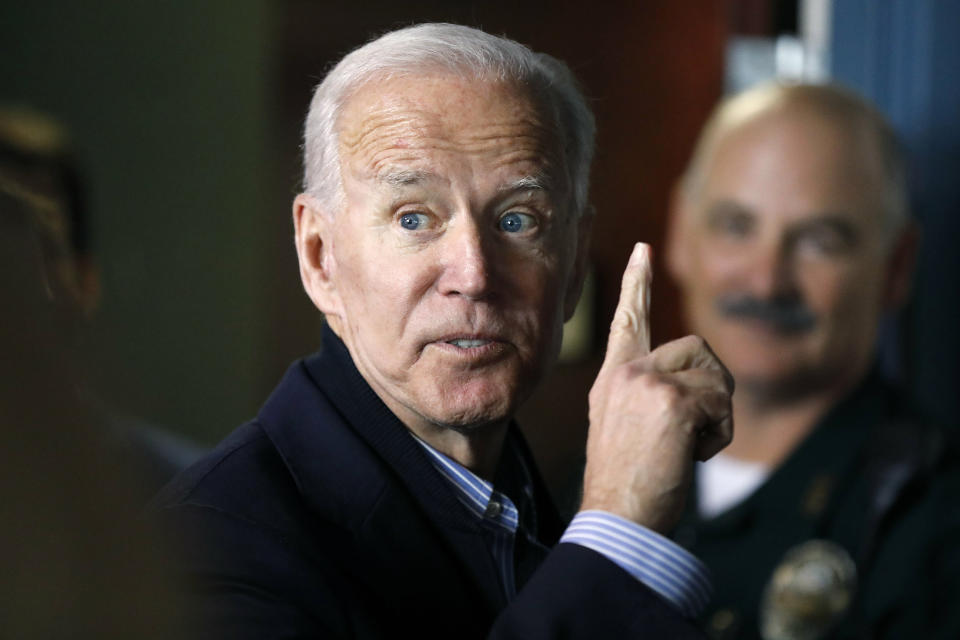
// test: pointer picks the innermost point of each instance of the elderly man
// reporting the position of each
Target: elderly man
(790, 238)
(383, 489)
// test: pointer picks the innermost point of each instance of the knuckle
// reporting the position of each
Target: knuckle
(721, 377)
(649, 381)
(692, 343)
(625, 320)
(675, 402)
(718, 380)
(704, 347)
(669, 394)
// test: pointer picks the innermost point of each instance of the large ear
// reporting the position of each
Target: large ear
(677, 258)
(579, 273)
(313, 235)
(900, 267)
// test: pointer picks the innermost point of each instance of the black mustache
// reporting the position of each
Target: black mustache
(785, 314)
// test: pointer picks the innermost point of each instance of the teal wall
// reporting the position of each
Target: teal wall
(167, 102)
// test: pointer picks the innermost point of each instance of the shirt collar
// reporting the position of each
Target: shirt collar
(478, 495)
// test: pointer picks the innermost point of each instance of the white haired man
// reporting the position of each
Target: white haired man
(384, 490)
(790, 239)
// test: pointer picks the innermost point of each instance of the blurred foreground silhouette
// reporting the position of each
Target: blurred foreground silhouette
(76, 561)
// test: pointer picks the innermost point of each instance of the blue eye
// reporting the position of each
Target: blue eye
(514, 222)
(413, 221)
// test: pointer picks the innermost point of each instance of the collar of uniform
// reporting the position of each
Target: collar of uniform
(807, 480)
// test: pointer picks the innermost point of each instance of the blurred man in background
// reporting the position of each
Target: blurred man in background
(790, 238)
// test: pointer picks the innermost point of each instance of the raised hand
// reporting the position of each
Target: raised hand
(652, 413)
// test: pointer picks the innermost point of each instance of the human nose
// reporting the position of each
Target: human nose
(771, 271)
(466, 263)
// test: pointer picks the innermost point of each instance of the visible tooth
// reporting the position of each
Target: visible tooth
(468, 344)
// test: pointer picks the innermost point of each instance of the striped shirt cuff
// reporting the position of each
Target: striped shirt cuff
(658, 562)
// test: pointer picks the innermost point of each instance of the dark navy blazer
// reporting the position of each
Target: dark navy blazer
(324, 518)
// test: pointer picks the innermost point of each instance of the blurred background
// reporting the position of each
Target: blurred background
(184, 119)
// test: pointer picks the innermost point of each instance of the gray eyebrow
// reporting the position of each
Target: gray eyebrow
(539, 182)
(405, 177)
(412, 177)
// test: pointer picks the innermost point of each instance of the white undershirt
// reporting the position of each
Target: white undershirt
(724, 481)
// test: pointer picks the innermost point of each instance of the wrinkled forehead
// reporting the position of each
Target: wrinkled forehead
(403, 120)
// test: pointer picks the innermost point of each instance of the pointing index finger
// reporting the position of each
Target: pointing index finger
(630, 330)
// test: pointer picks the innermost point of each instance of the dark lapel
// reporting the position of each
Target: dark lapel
(382, 485)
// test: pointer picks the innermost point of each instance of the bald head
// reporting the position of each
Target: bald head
(870, 139)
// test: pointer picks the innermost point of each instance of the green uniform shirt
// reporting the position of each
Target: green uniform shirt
(909, 576)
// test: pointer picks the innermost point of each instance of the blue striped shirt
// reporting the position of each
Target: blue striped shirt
(498, 516)
(658, 562)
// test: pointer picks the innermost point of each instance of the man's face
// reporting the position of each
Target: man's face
(782, 255)
(451, 266)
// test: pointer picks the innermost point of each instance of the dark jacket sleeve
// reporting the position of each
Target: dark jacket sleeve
(577, 593)
(254, 585)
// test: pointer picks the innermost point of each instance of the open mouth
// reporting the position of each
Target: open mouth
(469, 343)
(472, 351)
